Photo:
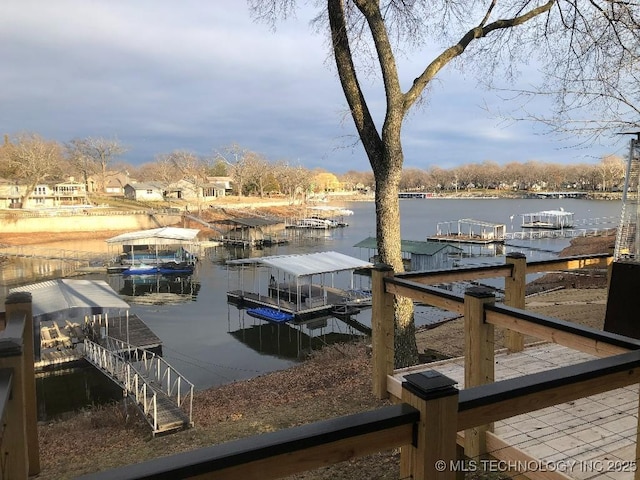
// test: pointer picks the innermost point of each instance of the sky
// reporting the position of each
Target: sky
(196, 75)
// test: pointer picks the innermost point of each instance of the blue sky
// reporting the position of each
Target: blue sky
(161, 75)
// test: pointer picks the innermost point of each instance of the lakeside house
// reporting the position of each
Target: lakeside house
(58, 194)
(144, 191)
(212, 188)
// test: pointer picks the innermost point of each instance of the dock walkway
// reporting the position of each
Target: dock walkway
(163, 396)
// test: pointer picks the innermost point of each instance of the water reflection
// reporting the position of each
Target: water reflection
(155, 289)
(289, 340)
(73, 389)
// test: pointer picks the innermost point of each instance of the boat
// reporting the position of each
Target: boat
(141, 269)
(270, 314)
(548, 219)
(168, 268)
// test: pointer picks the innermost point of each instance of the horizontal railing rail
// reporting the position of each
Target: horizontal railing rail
(508, 398)
(283, 452)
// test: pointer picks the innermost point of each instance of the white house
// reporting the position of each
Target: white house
(188, 190)
(144, 191)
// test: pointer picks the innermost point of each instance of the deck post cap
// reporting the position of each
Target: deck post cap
(430, 385)
(18, 297)
(382, 267)
(479, 292)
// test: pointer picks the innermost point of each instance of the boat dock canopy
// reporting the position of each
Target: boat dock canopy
(156, 236)
(251, 222)
(55, 298)
(548, 219)
(417, 247)
(309, 264)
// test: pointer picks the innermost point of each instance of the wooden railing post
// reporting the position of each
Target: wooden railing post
(636, 475)
(433, 455)
(479, 359)
(382, 334)
(514, 296)
(19, 303)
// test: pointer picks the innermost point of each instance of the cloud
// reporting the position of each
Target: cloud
(161, 75)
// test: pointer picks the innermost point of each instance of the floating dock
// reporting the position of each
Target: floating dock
(467, 230)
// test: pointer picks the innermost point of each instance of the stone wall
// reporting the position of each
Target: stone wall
(58, 222)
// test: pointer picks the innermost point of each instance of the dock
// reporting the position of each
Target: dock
(291, 284)
(64, 346)
(468, 230)
(316, 301)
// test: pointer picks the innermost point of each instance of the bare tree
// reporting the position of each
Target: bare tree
(32, 160)
(192, 168)
(235, 157)
(257, 171)
(495, 34)
(94, 156)
(612, 171)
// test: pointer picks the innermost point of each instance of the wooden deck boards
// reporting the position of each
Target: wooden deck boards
(139, 335)
(595, 431)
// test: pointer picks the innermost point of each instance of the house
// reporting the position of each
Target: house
(43, 195)
(144, 191)
(219, 186)
(111, 182)
(10, 194)
(419, 255)
(214, 187)
(69, 193)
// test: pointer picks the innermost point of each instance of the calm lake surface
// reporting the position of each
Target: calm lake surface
(212, 342)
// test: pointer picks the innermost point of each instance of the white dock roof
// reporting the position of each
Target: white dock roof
(307, 264)
(72, 297)
(156, 236)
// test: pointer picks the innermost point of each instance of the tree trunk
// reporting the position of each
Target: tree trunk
(390, 252)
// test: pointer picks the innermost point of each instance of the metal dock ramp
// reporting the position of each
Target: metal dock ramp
(162, 394)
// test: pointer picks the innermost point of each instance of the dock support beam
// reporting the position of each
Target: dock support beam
(514, 296)
(382, 330)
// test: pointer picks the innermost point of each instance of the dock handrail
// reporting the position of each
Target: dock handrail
(158, 371)
(132, 381)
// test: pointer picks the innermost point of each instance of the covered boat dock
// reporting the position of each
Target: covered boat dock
(548, 219)
(251, 231)
(306, 286)
(154, 246)
(65, 309)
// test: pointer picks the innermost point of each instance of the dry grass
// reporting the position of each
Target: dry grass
(333, 382)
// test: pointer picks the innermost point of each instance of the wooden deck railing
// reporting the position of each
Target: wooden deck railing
(432, 410)
(19, 452)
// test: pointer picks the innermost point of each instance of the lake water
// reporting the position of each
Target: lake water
(212, 342)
